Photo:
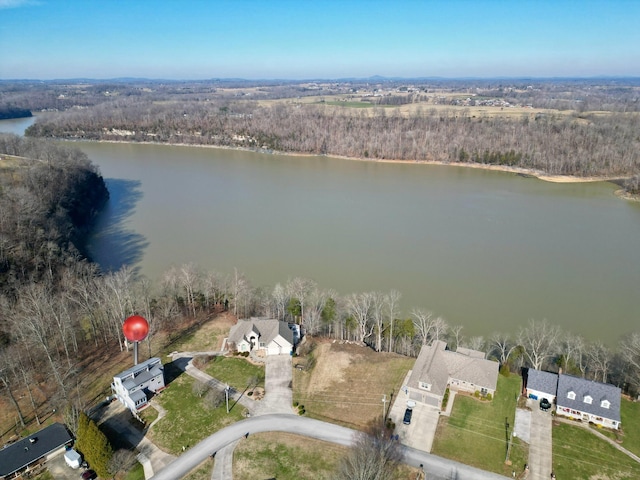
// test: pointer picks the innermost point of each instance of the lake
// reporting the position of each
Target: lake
(487, 250)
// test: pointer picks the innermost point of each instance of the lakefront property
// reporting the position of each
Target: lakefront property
(437, 369)
(575, 397)
(133, 386)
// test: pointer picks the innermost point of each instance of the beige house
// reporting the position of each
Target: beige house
(265, 336)
(437, 368)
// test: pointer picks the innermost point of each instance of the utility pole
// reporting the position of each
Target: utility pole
(226, 392)
(384, 408)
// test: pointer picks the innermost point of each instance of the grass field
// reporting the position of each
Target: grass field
(475, 433)
(285, 457)
(345, 383)
(579, 454)
(236, 372)
(630, 417)
(188, 419)
(201, 472)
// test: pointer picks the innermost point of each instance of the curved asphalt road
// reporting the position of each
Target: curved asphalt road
(436, 466)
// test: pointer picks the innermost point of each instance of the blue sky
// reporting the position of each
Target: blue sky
(304, 39)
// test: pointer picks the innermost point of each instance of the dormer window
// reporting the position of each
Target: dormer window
(605, 404)
(587, 399)
(424, 385)
(571, 395)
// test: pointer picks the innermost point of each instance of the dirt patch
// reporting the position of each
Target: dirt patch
(330, 368)
(348, 382)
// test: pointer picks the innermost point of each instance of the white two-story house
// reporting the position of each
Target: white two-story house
(132, 386)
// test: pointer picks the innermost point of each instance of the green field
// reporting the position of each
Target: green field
(578, 453)
(236, 372)
(475, 433)
(188, 419)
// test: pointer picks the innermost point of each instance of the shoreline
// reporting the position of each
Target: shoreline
(540, 175)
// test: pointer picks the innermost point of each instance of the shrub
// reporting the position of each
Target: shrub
(476, 394)
(489, 396)
(504, 370)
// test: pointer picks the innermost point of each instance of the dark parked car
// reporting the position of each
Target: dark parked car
(407, 416)
(545, 405)
(89, 475)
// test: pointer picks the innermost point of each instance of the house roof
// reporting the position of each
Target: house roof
(542, 381)
(24, 452)
(596, 390)
(141, 367)
(268, 330)
(436, 365)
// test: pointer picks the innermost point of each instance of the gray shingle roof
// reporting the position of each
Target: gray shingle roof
(435, 365)
(22, 453)
(596, 390)
(542, 381)
(267, 328)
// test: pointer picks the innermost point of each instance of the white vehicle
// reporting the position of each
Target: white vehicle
(73, 458)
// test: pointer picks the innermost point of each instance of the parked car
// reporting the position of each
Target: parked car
(545, 405)
(89, 475)
(407, 416)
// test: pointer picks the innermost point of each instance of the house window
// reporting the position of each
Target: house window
(263, 345)
(571, 395)
(605, 403)
(424, 385)
(587, 399)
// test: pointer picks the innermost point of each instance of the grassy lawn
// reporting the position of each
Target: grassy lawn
(201, 472)
(479, 426)
(235, 371)
(345, 383)
(630, 417)
(188, 419)
(136, 473)
(577, 453)
(285, 457)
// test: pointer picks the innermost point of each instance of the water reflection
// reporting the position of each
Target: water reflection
(115, 243)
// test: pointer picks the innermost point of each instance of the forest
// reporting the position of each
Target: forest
(576, 128)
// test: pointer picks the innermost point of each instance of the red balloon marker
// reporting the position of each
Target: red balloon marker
(135, 329)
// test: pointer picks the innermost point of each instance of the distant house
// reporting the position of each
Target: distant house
(539, 385)
(132, 386)
(437, 368)
(261, 335)
(26, 454)
(589, 401)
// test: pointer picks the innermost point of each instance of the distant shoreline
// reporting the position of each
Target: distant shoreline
(482, 166)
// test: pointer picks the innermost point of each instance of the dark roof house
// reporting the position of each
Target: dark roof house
(588, 400)
(23, 453)
(541, 384)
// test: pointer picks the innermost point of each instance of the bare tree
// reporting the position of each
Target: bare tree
(374, 455)
(599, 361)
(539, 340)
(358, 306)
(501, 344)
(423, 322)
(630, 350)
(392, 299)
(6, 379)
(378, 317)
(456, 333)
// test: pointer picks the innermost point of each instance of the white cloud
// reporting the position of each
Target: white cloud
(17, 3)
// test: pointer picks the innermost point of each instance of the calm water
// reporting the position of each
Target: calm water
(487, 250)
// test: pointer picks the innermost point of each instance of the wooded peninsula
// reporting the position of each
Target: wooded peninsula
(580, 128)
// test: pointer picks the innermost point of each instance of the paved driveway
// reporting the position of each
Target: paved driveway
(540, 447)
(278, 396)
(420, 432)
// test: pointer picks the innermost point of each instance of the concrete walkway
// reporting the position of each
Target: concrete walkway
(541, 444)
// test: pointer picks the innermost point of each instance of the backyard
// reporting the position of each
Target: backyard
(481, 427)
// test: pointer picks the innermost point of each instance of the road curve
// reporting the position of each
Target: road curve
(436, 466)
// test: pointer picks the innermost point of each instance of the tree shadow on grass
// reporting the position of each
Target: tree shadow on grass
(113, 245)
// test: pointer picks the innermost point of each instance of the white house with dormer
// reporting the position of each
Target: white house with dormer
(588, 401)
(133, 386)
(265, 336)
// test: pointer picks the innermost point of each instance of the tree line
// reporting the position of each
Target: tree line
(586, 144)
